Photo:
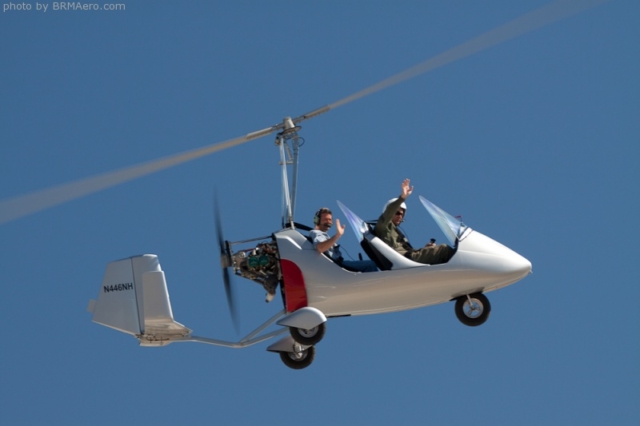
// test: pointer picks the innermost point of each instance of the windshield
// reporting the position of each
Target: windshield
(358, 225)
(452, 228)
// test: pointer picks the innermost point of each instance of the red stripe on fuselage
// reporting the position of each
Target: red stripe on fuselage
(294, 288)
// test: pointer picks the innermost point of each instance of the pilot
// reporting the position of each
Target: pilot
(323, 220)
(387, 230)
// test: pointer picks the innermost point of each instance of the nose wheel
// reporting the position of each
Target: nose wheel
(473, 309)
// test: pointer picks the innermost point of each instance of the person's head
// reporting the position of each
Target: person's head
(398, 216)
(323, 219)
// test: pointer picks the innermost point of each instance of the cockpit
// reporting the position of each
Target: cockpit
(261, 262)
(387, 258)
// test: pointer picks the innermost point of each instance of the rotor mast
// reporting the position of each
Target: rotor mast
(288, 143)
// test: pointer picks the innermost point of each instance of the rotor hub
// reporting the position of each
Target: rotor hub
(289, 129)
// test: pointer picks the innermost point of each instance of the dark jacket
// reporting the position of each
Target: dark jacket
(389, 233)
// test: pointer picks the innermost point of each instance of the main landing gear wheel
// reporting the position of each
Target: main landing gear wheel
(473, 310)
(308, 337)
(299, 360)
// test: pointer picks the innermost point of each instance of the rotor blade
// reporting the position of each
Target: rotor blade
(20, 206)
(225, 265)
(529, 22)
(17, 207)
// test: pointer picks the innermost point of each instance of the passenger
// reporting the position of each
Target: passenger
(387, 230)
(323, 220)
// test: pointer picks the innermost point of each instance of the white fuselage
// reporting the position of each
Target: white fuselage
(480, 264)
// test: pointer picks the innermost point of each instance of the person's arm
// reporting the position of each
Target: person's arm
(392, 208)
(324, 245)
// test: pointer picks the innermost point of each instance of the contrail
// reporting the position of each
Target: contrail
(17, 207)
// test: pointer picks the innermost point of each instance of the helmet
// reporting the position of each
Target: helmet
(403, 205)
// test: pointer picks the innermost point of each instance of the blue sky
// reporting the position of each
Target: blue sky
(533, 141)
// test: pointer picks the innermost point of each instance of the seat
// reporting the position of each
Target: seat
(381, 262)
(384, 256)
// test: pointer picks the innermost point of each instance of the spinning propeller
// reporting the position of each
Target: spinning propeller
(225, 263)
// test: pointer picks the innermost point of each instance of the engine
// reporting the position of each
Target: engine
(259, 264)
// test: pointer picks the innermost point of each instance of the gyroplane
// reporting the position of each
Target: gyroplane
(134, 297)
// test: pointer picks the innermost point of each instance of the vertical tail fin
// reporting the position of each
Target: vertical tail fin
(134, 299)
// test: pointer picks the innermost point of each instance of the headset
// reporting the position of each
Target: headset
(319, 213)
